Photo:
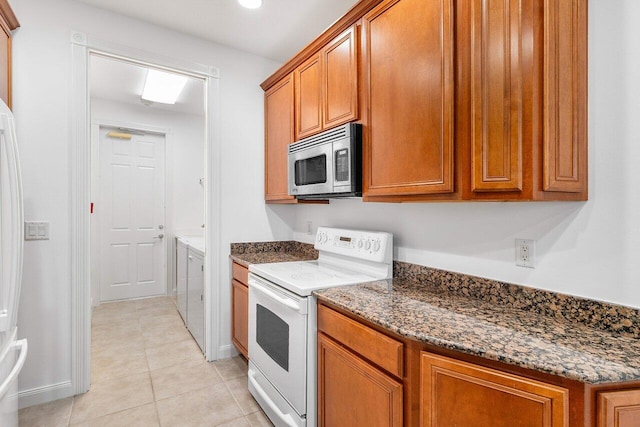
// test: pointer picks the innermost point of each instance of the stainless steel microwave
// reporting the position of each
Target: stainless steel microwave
(327, 165)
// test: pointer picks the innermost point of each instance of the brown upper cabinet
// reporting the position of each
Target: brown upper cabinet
(459, 100)
(279, 133)
(409, 98)
(326, 86)
(8, 23)
(522, 97)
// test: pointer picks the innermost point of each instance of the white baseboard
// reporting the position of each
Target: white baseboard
(226, 351)
(45, 394)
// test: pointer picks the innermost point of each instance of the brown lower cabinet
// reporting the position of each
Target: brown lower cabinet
(353, 392)
(457, 393)
(240, 309)
(619, 408)
(369, 376)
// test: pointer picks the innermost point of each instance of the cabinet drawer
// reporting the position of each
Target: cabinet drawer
(240, 273)
(371, 344)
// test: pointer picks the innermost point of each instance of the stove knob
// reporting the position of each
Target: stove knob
(367, 245)
(319, 238)
(376, 246)
(360, 244)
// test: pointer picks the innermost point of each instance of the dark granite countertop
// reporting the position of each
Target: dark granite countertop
(576, 338)
(268, 252)
(495, 331)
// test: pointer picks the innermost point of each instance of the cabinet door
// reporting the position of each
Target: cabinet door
(195, 296)
(279, 127)
(409, 92)
(565, 96)
(619, 409)
(5, 65)
(308, 102)
(340, 80)
(240, 315)
(456, 393)
(497, 77)
(352, 392)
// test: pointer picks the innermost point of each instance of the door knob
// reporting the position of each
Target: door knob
(159, 236)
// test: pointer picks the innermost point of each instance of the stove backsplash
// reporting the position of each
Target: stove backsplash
(594, 314)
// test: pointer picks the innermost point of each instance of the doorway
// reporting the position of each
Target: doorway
(148, 178)
(82, 166)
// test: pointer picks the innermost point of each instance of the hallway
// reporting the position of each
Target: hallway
(148, 371)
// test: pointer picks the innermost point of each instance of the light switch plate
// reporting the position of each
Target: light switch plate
(36, 230)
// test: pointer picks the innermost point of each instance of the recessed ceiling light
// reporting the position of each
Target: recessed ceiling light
(250, 4)
(163, 87)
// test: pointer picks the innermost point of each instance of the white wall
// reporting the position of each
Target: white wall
(588, 249)
(41, 89)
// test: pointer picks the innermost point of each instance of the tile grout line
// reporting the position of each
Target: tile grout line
(153, 390)
(141, 315)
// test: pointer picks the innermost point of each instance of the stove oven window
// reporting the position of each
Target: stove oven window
(272, 334)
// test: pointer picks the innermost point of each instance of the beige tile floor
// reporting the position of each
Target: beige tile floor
(148, 371)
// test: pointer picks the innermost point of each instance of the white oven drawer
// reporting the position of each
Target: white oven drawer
(279, 411)
(278, 339)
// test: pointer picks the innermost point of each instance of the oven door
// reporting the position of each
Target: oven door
(278, 340)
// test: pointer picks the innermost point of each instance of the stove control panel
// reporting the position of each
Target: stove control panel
(368, 245)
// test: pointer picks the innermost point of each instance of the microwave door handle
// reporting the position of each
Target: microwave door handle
(291, 304)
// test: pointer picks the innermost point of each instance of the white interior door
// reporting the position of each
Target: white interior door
(131, 215)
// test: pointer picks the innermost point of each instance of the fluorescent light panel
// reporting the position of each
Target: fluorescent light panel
(163, 87)
(250, 4)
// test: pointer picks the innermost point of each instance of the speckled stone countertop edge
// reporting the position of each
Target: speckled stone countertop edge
(268, 252)
(600, 320)
(510, 336)
(608, 317)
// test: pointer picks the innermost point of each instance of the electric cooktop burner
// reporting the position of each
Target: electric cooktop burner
(303, 277)
(346, 257)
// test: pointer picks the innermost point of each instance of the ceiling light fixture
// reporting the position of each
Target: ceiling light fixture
(163, 87)
(250, 4)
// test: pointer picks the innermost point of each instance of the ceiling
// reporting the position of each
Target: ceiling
(278, 30)
(121, 81)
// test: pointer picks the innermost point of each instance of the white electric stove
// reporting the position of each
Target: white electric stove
(282, 317)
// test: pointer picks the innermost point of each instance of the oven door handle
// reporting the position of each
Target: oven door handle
(286, 302)
(287, 419)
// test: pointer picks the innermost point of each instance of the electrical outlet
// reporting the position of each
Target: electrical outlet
(309, 227)
(525, 253)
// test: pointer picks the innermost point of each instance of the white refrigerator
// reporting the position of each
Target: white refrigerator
(13, 352)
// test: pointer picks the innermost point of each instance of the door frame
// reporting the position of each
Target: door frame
(96, 259)
(80, 174)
